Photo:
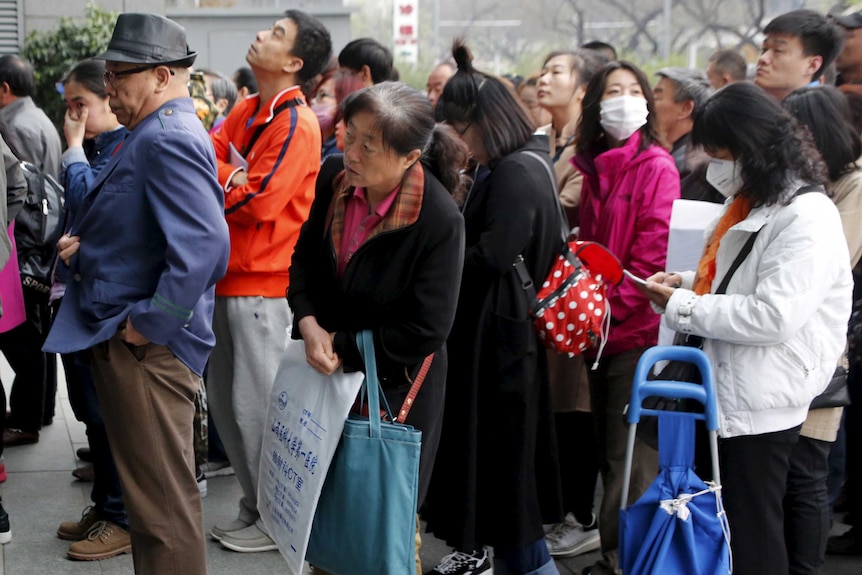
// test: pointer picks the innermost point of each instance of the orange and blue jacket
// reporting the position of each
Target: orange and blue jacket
(265, 215)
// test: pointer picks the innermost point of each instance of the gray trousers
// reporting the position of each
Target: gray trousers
(250, 340)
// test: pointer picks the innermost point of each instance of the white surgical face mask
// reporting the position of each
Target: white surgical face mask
(725, 176)
(622, 116)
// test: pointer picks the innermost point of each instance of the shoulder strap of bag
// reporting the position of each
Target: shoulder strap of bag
(564, 227)
(259, 130)
(414, 390)
(740, 257)
(746, 249)
(520, 268)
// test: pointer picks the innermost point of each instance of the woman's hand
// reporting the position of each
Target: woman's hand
(68, 246)
(660, 287)
(318, 346)
(74, 125)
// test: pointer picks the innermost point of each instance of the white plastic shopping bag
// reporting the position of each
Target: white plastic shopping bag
(304, 424)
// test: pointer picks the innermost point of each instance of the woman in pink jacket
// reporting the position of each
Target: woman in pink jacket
(630, 183)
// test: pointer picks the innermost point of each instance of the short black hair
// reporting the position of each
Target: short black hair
(819, 35)
(368, 52)
(244, 78)
(772, 147)
(473, 97)
(602, 48)
(825, 112)
(18, 73)
(312, 44)
(730, 62)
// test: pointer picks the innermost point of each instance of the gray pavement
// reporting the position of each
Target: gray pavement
(41, 492)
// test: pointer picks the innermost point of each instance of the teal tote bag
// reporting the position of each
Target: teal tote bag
(365, 521)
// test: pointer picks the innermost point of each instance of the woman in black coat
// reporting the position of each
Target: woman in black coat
(382, 250)
(496, 477)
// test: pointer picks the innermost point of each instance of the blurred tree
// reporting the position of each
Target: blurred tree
(54, 52)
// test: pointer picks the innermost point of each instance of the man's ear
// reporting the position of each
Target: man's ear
(294, 65)
(686, 109)
(365, 74)
(814, 63)
(163, 76)
(5, 93)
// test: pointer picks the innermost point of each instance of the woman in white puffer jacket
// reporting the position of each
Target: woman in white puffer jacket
(776, 334)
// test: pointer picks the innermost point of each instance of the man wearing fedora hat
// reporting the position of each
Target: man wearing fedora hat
(145, 251)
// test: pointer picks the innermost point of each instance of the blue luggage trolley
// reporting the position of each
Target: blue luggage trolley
(678, 526)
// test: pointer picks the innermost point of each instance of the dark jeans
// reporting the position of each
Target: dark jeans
(529, 559)
(579, 462)
(806, 506)
(22, 347)
(107, 495)
(754, 470)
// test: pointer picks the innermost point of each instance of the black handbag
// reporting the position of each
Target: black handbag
(682, 370)
(836, 393)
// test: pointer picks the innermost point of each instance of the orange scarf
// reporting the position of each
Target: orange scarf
(737, 211)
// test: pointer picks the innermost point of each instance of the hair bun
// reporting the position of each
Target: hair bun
(462, 56)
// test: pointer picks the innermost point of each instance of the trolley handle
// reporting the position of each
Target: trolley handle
(704, 393)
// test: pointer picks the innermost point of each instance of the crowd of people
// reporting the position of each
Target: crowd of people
(206, 217)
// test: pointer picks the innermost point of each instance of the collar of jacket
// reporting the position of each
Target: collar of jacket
(760, 216)
(404, 211)
(16, 107)
(614, 160)
(294, 92)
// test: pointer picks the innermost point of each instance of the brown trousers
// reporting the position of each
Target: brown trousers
(147, 399)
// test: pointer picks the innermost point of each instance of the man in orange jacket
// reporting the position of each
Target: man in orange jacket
(268, 152)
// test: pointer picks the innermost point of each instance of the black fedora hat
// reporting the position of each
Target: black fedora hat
(148, 39)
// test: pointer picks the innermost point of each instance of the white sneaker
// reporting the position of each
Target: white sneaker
(219, 531)
(217, 468)
(570, 538)
(248, 540)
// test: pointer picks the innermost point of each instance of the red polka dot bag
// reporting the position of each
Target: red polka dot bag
(571, 309)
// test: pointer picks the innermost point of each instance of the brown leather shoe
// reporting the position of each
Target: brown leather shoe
(13, 437)
(77, 530)
(84, 473)
(105, 539)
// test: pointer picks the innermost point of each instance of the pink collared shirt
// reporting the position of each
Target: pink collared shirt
(359, 221)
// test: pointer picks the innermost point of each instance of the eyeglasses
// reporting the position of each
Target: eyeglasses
(110, 76)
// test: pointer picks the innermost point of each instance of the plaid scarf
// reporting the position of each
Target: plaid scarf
(404, 211)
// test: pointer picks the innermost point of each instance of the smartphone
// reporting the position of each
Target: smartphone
(634, 278)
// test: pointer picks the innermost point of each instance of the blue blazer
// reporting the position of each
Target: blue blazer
(153, 242)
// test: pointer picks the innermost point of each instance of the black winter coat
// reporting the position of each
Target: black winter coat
(401, 284)
(496, 479)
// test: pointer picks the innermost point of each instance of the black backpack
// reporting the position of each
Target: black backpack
(38, 226)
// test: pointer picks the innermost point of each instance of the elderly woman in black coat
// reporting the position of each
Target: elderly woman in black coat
(383, 250)
(496, 477)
